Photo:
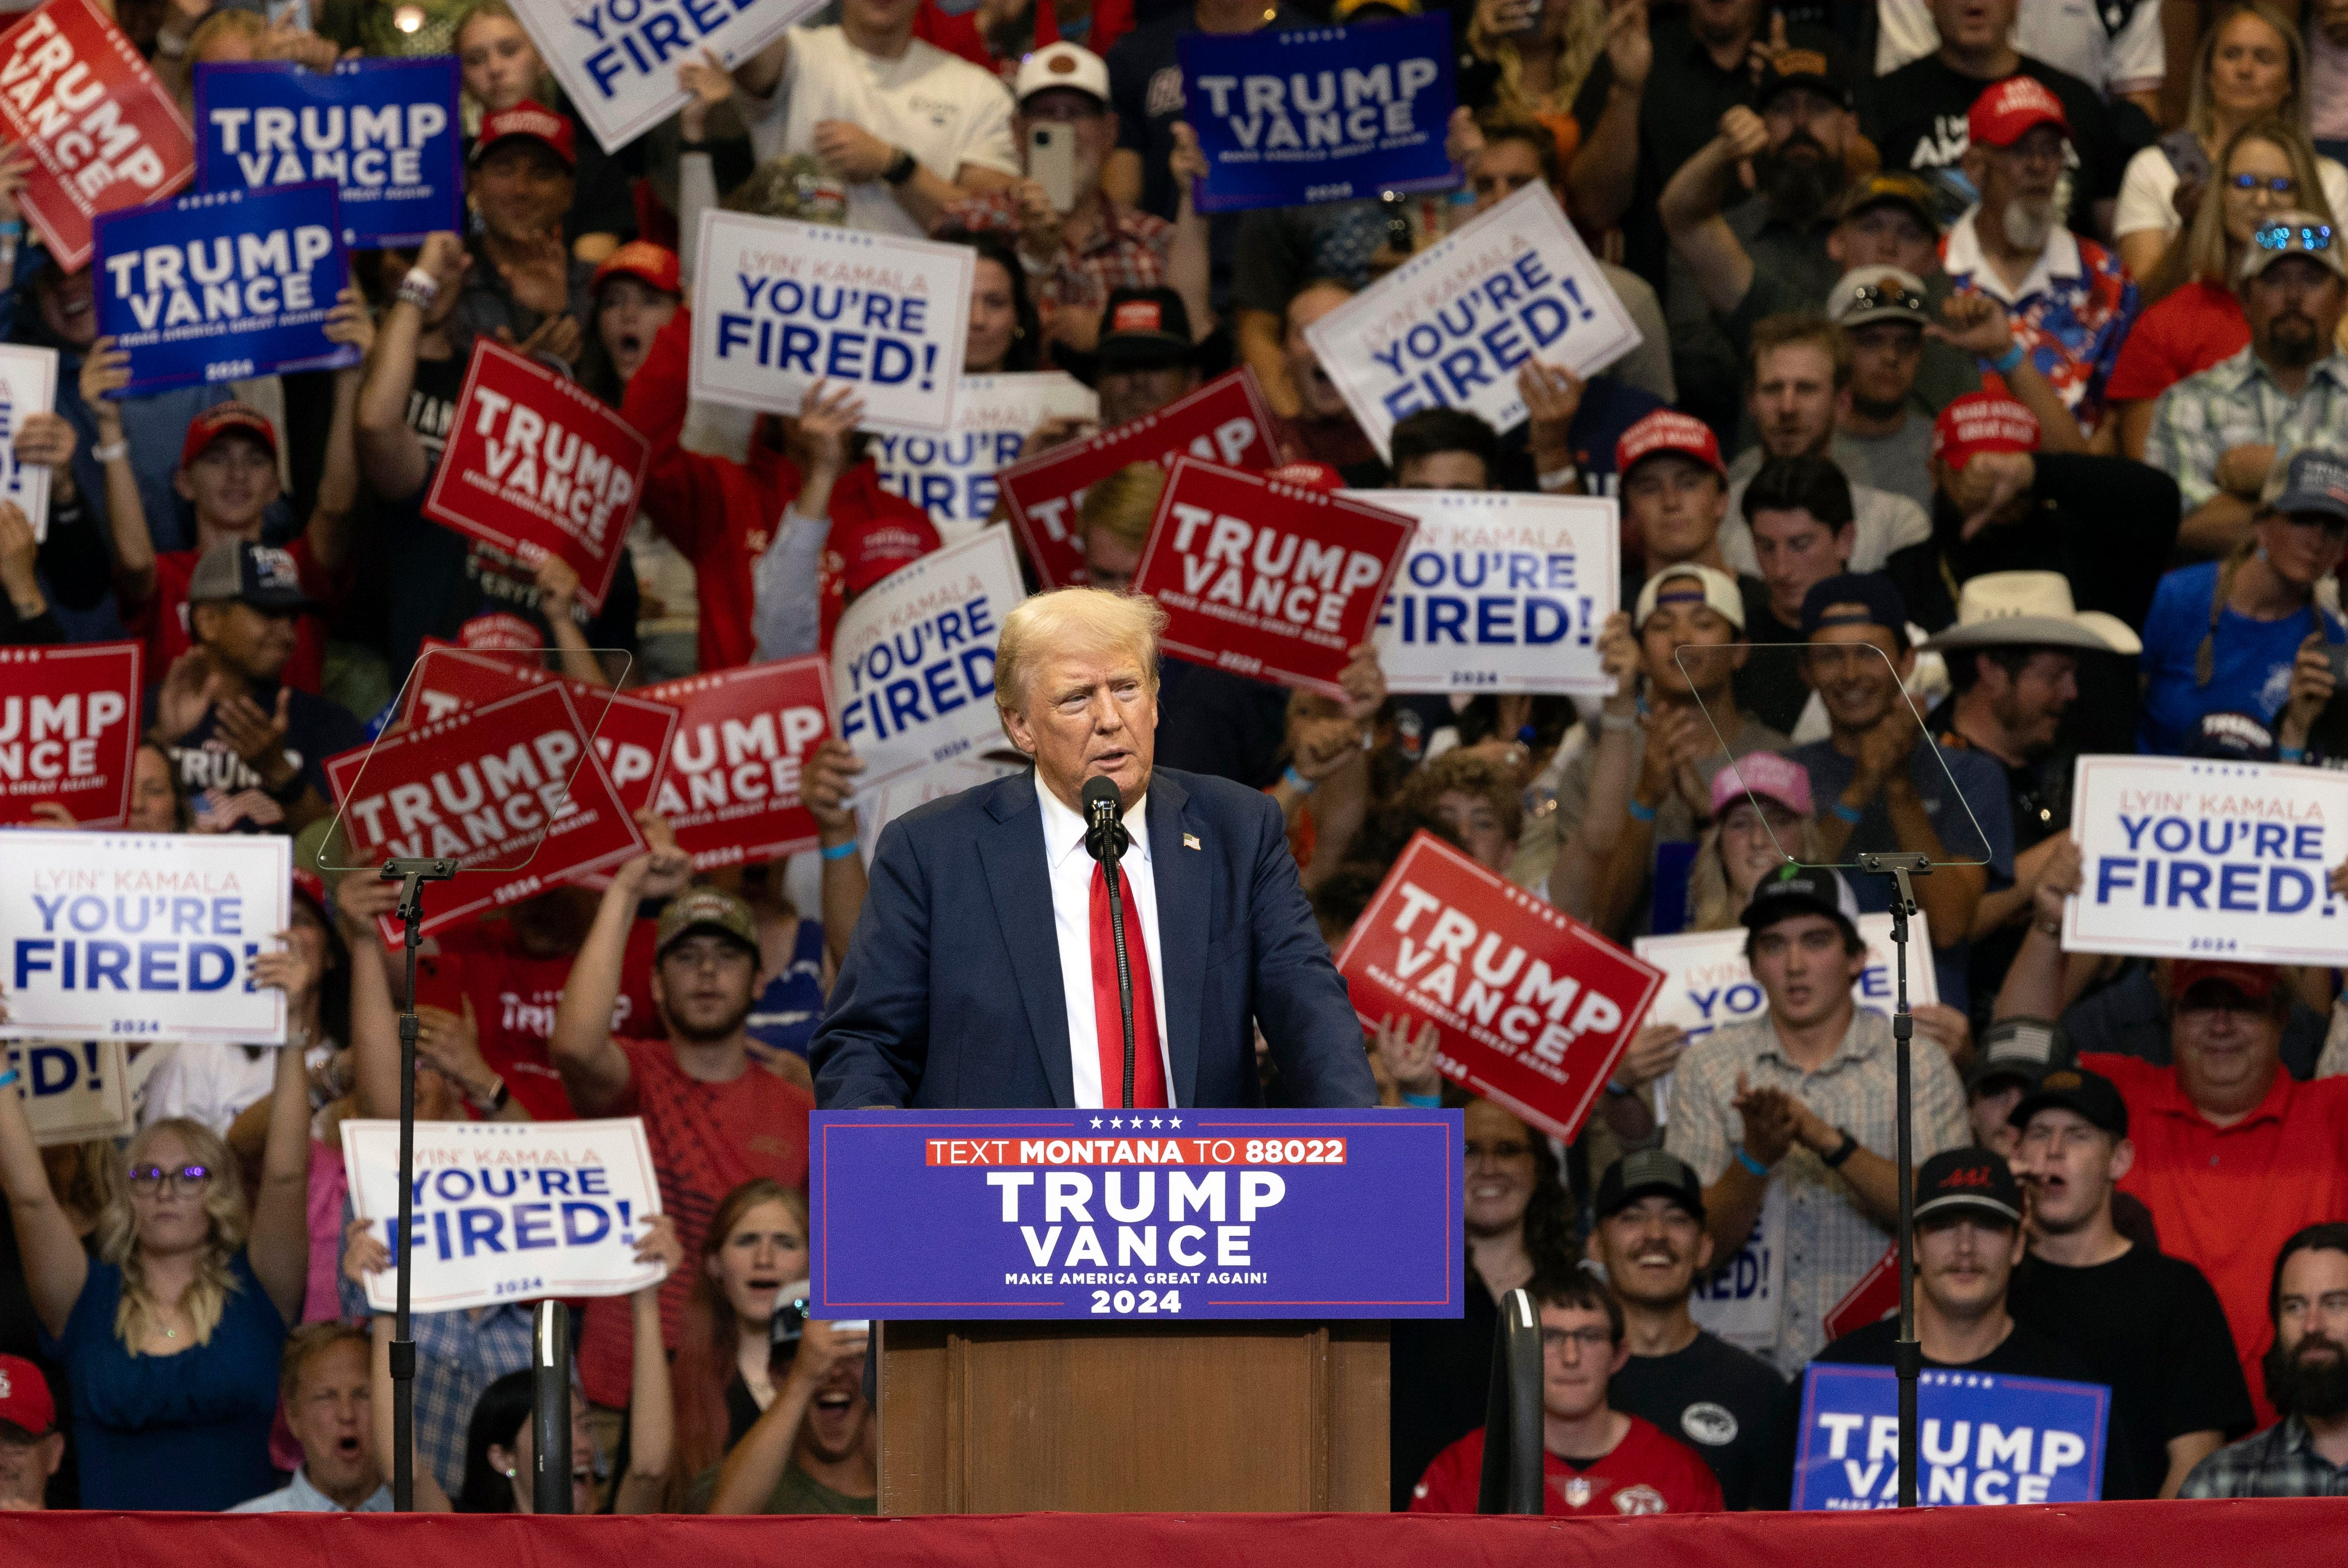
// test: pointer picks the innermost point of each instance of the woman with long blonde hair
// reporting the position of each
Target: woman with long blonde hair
(170, 1334)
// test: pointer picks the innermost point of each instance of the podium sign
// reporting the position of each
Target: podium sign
(1156, 1215)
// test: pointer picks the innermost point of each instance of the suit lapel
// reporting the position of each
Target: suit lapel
(1182, 875)
(1020, 880)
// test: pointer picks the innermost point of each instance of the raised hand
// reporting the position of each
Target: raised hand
(1408, 1055)
(828, 782)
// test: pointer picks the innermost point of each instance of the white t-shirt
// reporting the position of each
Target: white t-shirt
(2149, 189)
(945, 111)
(2069, 35)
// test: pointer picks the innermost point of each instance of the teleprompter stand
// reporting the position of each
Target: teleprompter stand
(412, 874)
(1907, 1355)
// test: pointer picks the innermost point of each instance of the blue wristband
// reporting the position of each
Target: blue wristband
(2291, 753)
(1846, 814)
(2004, 363)
(840, 852)
(1295, 780)
(1639, 813)
(10, 1076)
(1750, 1163)
(1423, 1101)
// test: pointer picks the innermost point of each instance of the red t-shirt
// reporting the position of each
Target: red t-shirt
(1648, 1472)
(2184, 334)
(514, 995)
(707, 1139)
(162, 623)
(2227, 1197)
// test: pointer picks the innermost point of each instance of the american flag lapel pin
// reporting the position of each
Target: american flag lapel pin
(1189, 841)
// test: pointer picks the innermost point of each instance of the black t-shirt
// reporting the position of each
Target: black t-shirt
(2024, 1353)
(1440, 1373)
(315, 729)
(2151, 1328)
(435, 579)
(1713, 1396)
(1768, 687)
(1212, 721)
(1917, 119)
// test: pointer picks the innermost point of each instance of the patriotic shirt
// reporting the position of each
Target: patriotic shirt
(2071, 313)
(1648, 1471)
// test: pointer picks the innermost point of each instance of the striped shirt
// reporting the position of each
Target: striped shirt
(1829, 1241)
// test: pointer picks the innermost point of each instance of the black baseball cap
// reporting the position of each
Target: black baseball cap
(1852, 599)
(239, 571)
(1968, 1181)
(2019, 1049)
(1824, 71)
(2092, 1095)
(1802, 890)
(1647, 1173)
(1144, 329)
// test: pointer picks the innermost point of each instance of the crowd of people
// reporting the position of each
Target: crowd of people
(1990, 410)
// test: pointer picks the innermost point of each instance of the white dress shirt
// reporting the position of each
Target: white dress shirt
(1072, 923)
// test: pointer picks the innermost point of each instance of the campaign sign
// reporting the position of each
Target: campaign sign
(1264, 578)
(1532, 1006)
(509, 790)
(617, 59)
(507, 1211)
(1226, 421)
(732, 790)
(223, 286)
(1449, 327)
(143, 935)
(1500, 592)
(781, 304)
(632, 729)
(1167, 1214)
(912, 660)
(1321, 114)
(386, 132)
(536, 463)
(103, 131)
(1707, 984)
(1741, 1297)
(74, 1090)
(28, 386)
(1982, 1437)
(68, 730)
(2186, 859)
(953, 477)
(1875, 1297)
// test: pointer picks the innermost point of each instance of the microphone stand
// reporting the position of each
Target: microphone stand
(412, 874)
(1107, 839)
(1907, 1352)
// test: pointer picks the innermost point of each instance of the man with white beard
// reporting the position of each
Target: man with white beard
(2069, 300)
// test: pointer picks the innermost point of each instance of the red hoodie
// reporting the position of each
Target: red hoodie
(723, 514)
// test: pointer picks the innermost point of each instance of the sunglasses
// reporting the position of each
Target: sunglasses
(2292, 237)
(149, 1179)
(2281, 184)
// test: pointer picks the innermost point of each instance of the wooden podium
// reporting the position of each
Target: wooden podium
(1222, 1416)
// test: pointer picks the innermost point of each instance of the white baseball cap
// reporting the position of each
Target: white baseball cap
(1062, 65)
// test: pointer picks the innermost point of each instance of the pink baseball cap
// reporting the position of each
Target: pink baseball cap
(1763, 773)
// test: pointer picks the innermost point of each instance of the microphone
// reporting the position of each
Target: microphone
(1106, 840)
(1104, 836)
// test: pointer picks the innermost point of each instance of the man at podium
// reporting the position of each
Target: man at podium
(983, 972)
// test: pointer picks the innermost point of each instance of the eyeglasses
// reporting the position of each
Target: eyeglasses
(1592, 1339)
(146, 1180)
(2281, 184)
(2292, 237)
(1507, 1149)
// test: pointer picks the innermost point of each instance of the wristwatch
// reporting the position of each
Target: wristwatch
(900, 168)
(1843, 1150)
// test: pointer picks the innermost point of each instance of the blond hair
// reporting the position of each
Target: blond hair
(1713, 904)
(1124, 503)
(2200, 113)
(2201, 251)
(1073, 620)
(117, 1237)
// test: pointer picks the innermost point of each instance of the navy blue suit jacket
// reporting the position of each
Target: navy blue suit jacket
(950, 997)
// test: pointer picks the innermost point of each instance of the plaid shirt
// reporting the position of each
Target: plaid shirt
(2278, 1462)
(2236, 403)
(1829, 1239)
(1128, 250)
(457, 1355)
(2071, 313)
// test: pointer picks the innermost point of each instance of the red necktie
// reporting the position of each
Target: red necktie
(1148, 1073)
